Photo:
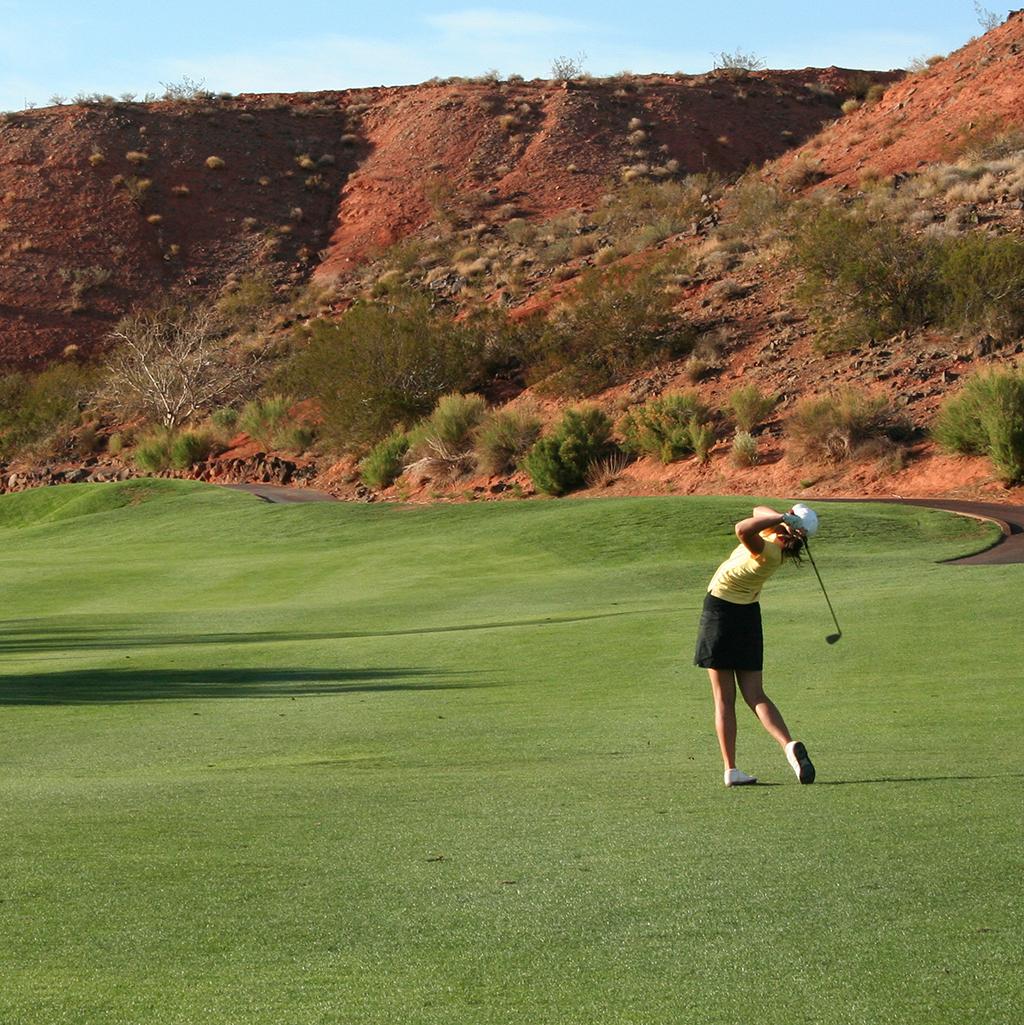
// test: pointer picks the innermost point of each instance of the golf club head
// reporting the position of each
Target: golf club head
(832, 638)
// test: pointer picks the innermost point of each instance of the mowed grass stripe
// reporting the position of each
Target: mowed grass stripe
(377, 764)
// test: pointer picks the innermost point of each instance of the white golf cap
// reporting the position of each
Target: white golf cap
(808, 517)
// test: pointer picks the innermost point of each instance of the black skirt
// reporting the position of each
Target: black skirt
(729, 636)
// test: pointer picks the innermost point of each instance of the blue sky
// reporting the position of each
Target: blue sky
(117, 46)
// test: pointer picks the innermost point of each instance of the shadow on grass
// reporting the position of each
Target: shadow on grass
(914, 779)
(27, 636)
(100, 686)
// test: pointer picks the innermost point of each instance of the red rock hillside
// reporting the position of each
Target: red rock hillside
(107, 206)
(967, 98)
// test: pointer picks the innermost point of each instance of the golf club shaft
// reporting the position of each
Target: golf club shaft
(807, 548)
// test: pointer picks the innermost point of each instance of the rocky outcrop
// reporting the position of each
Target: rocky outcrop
(260, 468)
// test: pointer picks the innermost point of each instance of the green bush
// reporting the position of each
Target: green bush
(446, 436)
(294, 438)
(744, 449)
(189, 448)
(749, 406)
(448, 431)
(559, 462)
(867, 279)
(503, 438)
(702, 439)
(153, 452)
(844, 425)
(643, 213)
(262, 418)
(987, 418)
(661, 427)
(35, 406)
(383, 464)
(617, 323)
(225, 418)
(862, 278)
(384, 364)
(752, 209)
(982, 281)
(249, 299)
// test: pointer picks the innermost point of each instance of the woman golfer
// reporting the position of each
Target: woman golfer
(729, 641)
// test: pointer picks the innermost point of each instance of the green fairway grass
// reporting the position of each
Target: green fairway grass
(385, 765)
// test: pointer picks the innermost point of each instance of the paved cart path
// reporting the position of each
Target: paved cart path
(278, 493)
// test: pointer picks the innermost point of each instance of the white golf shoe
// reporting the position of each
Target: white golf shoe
(737, 778)
(796, 755)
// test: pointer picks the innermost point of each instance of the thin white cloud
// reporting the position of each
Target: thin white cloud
(488, 21)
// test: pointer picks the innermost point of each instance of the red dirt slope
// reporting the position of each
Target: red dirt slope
(82, 240)
(968, 98)
(545, 147)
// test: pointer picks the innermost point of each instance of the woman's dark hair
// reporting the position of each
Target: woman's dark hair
(792, 547)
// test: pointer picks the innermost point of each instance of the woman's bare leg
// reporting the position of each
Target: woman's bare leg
(751, 683)
(723, 687)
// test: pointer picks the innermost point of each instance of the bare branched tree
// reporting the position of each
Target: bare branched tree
(987, 19)
(738, 60)
(171, 364)
(563, 69)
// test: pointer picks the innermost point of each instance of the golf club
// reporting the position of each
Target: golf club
(831, 638)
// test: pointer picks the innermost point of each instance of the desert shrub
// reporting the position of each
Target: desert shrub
(215, 163)
(802, 173)
(296, 438)
(851, 106)
(607, 470)
(267, 420)
(189, 447)
(699, 367)
(153, 452)
(136, 188)
(661, 427)
(558, 463)
(384, 364)
(744, 449)
(982, 281)
(702, 439)
(872, 279)
(249, 298)
(846, 424)
(503, 438)
(987, 418)
(225, 418)
(616, 323)
(749, 406)
(36, 406)
(752, 209)
(445, 438)
(739, 60)
(647, 212)
(565, 68)
(862, 278)
(382, 465)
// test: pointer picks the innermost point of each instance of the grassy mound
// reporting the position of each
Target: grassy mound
(452, 764)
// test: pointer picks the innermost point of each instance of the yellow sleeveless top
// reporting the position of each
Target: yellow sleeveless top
(740, 578)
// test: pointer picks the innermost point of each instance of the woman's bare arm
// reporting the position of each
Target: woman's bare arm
(749, 530)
